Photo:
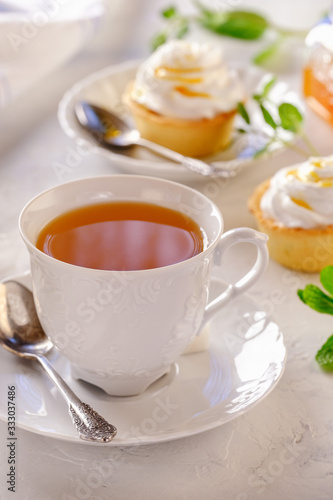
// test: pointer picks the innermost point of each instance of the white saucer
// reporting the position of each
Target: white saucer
(105, 88)
(245, 360)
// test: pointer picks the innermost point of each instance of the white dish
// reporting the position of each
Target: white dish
(245, 360)
(105, 88)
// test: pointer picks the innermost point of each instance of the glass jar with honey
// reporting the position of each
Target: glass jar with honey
(318, 71)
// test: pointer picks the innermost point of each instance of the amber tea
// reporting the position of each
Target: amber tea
(121, 235)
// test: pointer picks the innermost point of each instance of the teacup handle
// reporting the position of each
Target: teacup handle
(239, 235)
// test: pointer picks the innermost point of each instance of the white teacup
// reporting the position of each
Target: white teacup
(122, 330)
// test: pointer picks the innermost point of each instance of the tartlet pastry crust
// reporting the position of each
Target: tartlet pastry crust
(194, 138)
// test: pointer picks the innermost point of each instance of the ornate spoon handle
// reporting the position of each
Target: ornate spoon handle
(90, 425)
(193, 164)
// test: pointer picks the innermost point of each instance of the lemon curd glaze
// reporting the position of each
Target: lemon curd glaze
(181, 72)
(302, 195)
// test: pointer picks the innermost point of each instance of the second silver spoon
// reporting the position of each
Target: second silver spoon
(109, 129)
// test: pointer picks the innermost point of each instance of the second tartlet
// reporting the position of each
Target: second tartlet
(295, 210)
(184, 97)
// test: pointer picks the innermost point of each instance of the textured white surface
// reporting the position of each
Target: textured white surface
(283, 447)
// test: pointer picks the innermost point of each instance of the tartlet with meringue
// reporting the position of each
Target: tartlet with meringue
(185, 97)
(295, 209)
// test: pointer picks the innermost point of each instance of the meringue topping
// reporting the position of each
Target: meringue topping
(187, 80)
(302, 195)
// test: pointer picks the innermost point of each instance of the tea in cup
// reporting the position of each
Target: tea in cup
(121, 268)
(121, 236)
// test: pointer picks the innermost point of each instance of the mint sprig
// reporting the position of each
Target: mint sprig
(316, 299)
(321, 302)
(236, 23)
(280, 117)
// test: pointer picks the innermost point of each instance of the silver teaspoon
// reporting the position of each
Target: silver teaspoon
(109, 129)
(21, 333)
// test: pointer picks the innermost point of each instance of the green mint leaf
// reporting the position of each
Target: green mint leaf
(268, 86)
(213, 21)
(301, 295)
(316, 299)
(257, 97)
(243, 24)
(210, 19)
(244, 114)
(261, 151)
(182, 28)
(267, 53)
(169, 12)
(326, 279)
(290, 116)
(157, 40)
(325, 355)
(268, 117)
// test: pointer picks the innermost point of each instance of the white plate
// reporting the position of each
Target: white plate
(105, 88)
(245, 360)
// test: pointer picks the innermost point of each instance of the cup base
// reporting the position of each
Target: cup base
(118, 387)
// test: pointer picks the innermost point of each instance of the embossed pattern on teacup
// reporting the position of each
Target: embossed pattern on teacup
(123, 303)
